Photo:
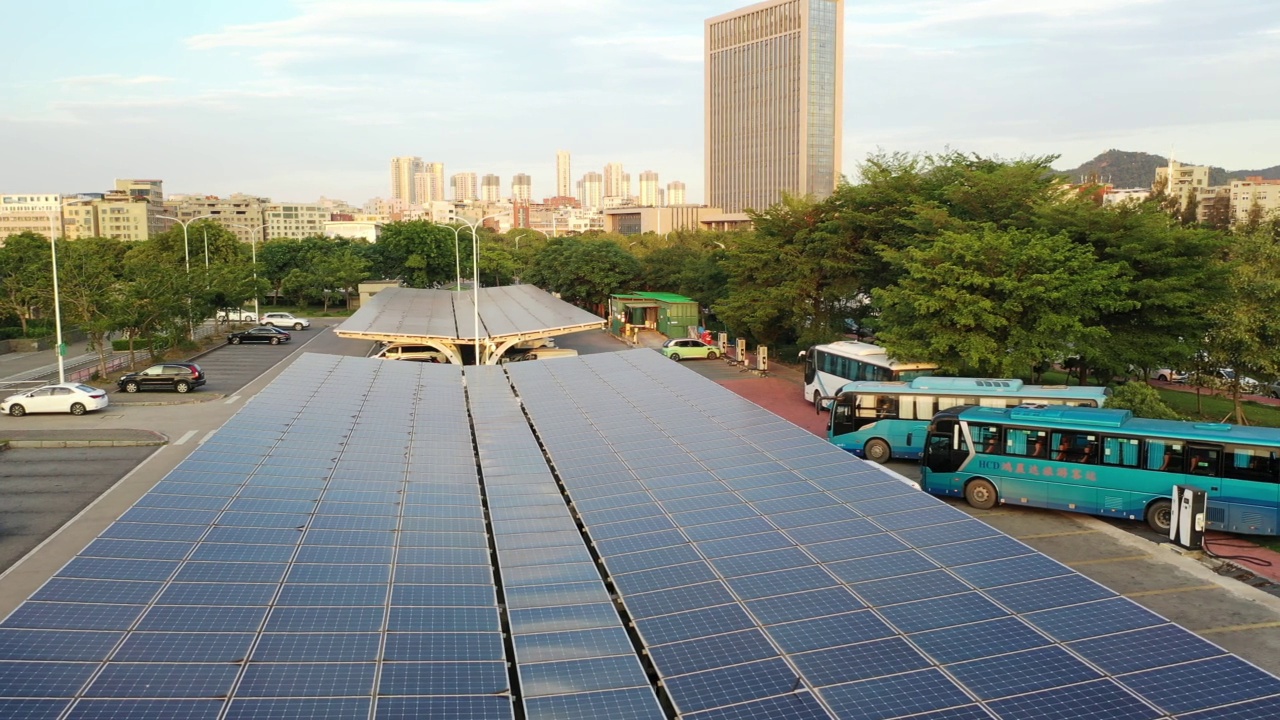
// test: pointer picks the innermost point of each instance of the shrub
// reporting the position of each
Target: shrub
(1142, 400)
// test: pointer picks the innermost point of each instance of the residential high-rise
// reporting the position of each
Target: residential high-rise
(773, 95)
(613, 180)
(649, 189)
(564, 180)
(421, 186)
(675, 193)
(521, 188)
(490, 188)
(402, 172)
(590, 188)
(625, 187)
(464, 186)
(435, 181)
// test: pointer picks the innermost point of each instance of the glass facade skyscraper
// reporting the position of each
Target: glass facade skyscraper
(774, 93)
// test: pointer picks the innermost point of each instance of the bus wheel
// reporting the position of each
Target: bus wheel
(877, 450)
(981, 494)
(1160, 515)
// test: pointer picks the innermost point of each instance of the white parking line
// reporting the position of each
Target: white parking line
(232, 399)
(206, 437)
(185, 437)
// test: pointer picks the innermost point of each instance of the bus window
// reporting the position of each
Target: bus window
(1164, 455)
(1074, 447)
(1028, 443)
(865, 406)
(1121, 452)
(992, 402)
(986, 438)
(1244, 463)
(923, 408)
(1204, 460)
(886, 406)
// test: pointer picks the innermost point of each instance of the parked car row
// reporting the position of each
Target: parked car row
(1222, 378)
(273, 319)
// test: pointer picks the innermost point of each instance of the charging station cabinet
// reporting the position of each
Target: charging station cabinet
(1186, 526)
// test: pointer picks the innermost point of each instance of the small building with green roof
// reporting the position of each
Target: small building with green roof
(668, 313)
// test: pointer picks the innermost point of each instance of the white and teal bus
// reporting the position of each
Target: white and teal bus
(883, 420)
(1104, 462)
(827, 368)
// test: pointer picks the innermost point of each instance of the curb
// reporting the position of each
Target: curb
(80, 443)
(188, 399)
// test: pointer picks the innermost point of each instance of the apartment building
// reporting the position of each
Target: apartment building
(591, 190)
(490, 188)
(649, 189)
(564, 178)
(243, 215)
(1182, 181)
(1254, 195)
(773, 95)
(675, 193)
(30, 212)
(294, 220)
(403, 172)
(521, 188)
(464, 187)
(152, 190)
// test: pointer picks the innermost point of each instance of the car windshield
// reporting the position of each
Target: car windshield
(86, 389)
(669, 343)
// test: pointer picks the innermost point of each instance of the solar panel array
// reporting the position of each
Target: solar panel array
(771, 575)
(334, 551)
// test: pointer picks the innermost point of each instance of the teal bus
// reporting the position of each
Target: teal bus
(883, 420)
(1104, 462)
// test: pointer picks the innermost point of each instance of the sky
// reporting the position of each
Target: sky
(298, 99)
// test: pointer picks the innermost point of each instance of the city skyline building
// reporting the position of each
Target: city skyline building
(464, 187)
(591, 189)
(773, 92)
(403, 169)
(521, 188)
(564, 176)
(152, 190)
(435, 182)
(490, 188)
(675, 193)
(649, 189)
(613, 180)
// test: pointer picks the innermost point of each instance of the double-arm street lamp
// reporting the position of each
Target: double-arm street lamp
(186, 245)
(253, 250)
(475, 277)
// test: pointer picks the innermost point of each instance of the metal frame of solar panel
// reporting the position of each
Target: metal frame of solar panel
(324, 554)
(573, 655)
(773, 575)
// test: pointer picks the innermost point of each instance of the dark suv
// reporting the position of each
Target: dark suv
(180, 377)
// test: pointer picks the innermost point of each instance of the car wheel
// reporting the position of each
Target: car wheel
(981, 494)
(712, 355)
(675, 356)
(275, 341)
(1275, 394)
(1159, 515)
(269, 323)
(877, 450)
(77, 408)
(297, 326)
(182, 387)
(249, 318)
(234, 341)
(131, 387)
(17, 410)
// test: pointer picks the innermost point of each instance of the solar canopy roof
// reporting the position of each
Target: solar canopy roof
(606, 537)
(447, 319)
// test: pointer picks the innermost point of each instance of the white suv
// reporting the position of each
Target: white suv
(284, 319)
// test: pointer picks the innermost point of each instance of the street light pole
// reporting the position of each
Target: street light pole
(57, 306)
(475, 278)
(457, 259)
(253, 252)
(186, 245)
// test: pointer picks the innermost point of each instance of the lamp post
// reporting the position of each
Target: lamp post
(186, 245)
(57, 306)
(457, 258)
(253, 251)
(475, 278)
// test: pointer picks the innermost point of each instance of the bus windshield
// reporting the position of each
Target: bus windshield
(1105, 462)
(883, 420)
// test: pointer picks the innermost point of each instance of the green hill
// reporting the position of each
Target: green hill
(1124, 169)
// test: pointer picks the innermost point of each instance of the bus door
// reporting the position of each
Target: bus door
(1249, 501)
(1204, 464)
(810, 366)
(842, 420)
(945, 451)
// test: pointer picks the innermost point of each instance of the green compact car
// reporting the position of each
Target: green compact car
(686, 348)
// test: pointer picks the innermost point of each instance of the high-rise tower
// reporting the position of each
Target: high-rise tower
(402, 171)
(564, 181)
(773, 93)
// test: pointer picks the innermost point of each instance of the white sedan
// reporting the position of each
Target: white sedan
(71, 398)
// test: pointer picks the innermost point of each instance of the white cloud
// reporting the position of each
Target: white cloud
(114, 80)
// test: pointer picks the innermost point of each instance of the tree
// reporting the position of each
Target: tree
(1142, 400)
(342, 269)
(420, 253)
(995, 302)
(585, 271)
(91, 288)
(25, 276)
(1244, 327)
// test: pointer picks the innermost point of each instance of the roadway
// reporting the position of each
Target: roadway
(1239, 617)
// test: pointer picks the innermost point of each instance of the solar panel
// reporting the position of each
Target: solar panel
(611, 536)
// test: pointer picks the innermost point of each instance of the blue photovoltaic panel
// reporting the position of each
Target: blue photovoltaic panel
(735, 540)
